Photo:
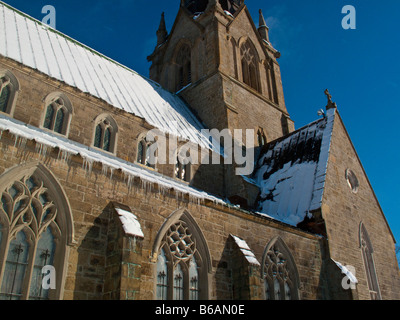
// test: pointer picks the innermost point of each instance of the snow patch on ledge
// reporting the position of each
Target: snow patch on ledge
(248, 254)
(346, 272)
(45, 140)
(130, 223)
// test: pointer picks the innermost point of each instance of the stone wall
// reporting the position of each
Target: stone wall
(344, 210)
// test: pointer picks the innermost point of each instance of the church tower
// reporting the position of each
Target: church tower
(224, 67)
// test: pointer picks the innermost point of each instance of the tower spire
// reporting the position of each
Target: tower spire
(162, 33)
(263, 30)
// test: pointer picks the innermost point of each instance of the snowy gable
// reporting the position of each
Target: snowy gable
(37, 46)
(291, 172)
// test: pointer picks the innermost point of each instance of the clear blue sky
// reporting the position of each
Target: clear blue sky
(360, 67)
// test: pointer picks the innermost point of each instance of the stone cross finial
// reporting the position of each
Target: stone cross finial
(330, 104)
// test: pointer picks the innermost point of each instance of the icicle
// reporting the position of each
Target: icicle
(104, 169)
(111, 173)
(87, 165)
(15, 145)
(1, 134)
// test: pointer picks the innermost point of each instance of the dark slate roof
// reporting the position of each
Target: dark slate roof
(291, 171)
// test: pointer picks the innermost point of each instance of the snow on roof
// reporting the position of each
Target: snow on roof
(291, 172)
(130, 223)
(245, 249)
(36, 45)
(109, 162)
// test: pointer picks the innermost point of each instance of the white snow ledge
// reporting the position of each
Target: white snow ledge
(245, 249)
(130, 223)
(109, 162)
(346, 272)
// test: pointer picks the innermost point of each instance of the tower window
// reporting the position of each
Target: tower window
(262, 138)
(183, 61)
(249, 65)
(195, 6)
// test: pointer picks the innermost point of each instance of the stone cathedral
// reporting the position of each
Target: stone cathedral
(85, 214)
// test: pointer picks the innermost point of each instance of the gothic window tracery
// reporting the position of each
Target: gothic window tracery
(279, 273)
(32, 237)
(249, 65)
(369, 264)
(178, 275)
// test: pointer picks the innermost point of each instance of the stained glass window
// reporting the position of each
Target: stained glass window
(49, 117)
(44, 257)
(15, 268)
(104, 135)
(279, 273)
(57, 116)
(180, 248)
(5, 98)
(140, 152)
(107, 139)
(193, 280)
(31, 216)
(178, 283)
(97, 137)
(58, 125)
(162, 277)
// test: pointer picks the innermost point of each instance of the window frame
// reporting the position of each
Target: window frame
(53, 100)
(201, 254)
(142, 140)
(249, 62)
(14, 91)
(62, 225)
(367, 253)
(289, 266)
(105, 122)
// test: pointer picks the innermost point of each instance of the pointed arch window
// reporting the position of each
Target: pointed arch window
(58, 113)
(105, 133)
(183, 167)
(279, 272)
(9, 88)
(249, 63)
(181, 266)
(34, 234)
(183, 61)
(147, 152)
(369, 264)
(262, 138)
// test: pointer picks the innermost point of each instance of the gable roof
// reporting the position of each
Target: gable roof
(36, 45)
(291, 171)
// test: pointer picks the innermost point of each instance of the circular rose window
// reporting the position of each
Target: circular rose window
(352, 180)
